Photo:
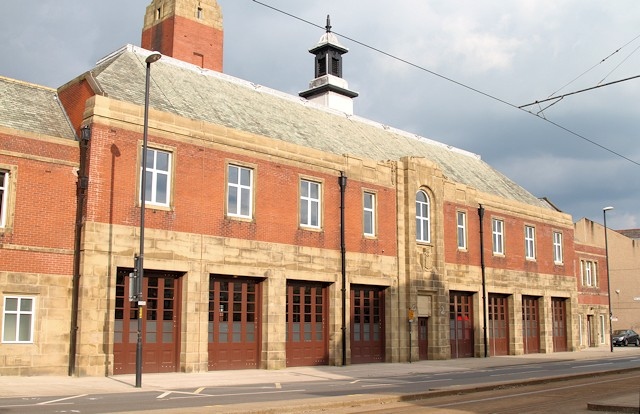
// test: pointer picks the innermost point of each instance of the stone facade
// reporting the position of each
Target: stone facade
(197, 246)
(428, 283)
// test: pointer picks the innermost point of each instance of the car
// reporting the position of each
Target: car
(624, 337)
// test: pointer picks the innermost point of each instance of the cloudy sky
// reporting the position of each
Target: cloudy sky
(473, 62)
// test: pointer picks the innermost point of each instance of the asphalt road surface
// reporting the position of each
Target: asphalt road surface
(567, 396)
(307, 392)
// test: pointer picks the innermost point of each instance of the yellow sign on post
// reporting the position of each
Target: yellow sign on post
(411, 315)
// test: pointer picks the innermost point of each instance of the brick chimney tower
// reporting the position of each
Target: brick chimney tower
(189, 30)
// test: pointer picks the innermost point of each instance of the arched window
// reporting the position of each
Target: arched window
(423, 223)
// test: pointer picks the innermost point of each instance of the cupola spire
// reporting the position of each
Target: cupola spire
(328, 87)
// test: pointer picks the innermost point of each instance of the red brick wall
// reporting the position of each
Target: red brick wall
(159, 37)
(74, 98)
(592, 295)
(181, 38)
(199, 196)
(44, 208)
(514, 258)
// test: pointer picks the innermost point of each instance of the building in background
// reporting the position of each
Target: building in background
(279, 231)
(624, 268)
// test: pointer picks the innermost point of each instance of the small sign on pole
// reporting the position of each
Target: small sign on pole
(411, 315)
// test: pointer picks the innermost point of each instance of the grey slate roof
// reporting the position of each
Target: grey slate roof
(630, 233)
(32, 108)
(189, 91)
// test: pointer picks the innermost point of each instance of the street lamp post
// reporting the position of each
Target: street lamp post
(606, 255)
(143, 186)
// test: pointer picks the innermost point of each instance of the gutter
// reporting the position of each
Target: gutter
(81, 192)
(484, 282)
(342, 181)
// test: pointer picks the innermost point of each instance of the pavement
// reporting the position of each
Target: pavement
(50, 386)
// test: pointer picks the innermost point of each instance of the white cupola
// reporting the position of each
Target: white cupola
(328, 88)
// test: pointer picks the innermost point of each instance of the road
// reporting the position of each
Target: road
(569, 396)
(309, 392)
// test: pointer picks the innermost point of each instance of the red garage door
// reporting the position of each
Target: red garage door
(307, 339)
(498, 325)
(530, 325)
(160, 324)
(461, 324)
(367, 324)
(559, 310)
(234, 328)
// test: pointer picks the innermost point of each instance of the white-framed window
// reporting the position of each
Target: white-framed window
(603, 329)
(239, 191)
(497, 231)
(18, 319)
(310, 192)
(557, 247)
(588, 273)
(423, 222)
(200, 13)
(462, 229)
(369, 213)
(158, 177)
(529, 242)
(4, 197)
(580, 333)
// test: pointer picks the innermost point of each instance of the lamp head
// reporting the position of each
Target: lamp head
(153, 57)
(85, 133)
(607, 208)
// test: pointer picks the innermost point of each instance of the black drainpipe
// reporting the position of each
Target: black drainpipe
(81, 191)
(484, 282)
(343, 256)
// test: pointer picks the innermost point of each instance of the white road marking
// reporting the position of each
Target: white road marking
(592, 365)
(514, 373)
(237, 394)
(376, 385)
(62, 399)
(195, 393)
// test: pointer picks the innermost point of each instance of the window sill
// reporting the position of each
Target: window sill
(240, 218)
(158, 207)
(309, 228)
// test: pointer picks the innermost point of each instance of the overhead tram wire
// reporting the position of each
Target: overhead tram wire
(619, 64)
(559, 97)
(485, 94)
(598, 64)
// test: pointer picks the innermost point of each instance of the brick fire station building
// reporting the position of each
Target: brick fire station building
(279, 230)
